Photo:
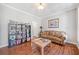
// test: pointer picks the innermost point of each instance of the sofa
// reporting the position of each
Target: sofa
(55, 36)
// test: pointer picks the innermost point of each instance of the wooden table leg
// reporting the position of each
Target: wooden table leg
(42, 51)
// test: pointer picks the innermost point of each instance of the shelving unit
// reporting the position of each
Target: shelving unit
(18, 33)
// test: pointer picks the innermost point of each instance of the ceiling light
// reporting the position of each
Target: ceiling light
(40, 6)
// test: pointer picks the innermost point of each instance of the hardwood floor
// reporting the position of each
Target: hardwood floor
(26, 49)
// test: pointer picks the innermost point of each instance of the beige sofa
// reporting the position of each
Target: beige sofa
(54, 36)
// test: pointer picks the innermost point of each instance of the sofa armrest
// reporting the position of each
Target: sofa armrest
(64, 35)
(63, 38)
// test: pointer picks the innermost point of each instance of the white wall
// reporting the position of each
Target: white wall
(7, 13)
(78, 26)
(67, 23)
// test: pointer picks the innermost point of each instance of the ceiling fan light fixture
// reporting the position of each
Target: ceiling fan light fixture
(41, 6)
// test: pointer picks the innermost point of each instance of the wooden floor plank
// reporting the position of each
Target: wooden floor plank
(26, 49)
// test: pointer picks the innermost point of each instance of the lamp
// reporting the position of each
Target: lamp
(41, 28)
(40, 31)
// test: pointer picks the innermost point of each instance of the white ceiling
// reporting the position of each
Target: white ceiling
(49, 9)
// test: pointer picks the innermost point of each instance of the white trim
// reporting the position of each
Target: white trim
(68, 41)
(78, 45)
(19, 10)
(3, 45)
(73, 43)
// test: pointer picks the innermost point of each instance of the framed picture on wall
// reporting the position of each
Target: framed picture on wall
(53, 23)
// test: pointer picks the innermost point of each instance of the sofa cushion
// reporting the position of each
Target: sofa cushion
(57, 34)
(47, 33)
(44, 36)
(54, 38)
(51, 33)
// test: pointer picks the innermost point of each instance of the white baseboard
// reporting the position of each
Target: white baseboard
(78, 45)
(3, 45)
(71, 42)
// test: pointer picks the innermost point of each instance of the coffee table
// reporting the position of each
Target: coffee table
(42, 43)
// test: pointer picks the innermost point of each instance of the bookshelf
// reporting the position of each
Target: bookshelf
(18, 33)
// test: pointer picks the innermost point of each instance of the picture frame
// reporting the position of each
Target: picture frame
(53, 23)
